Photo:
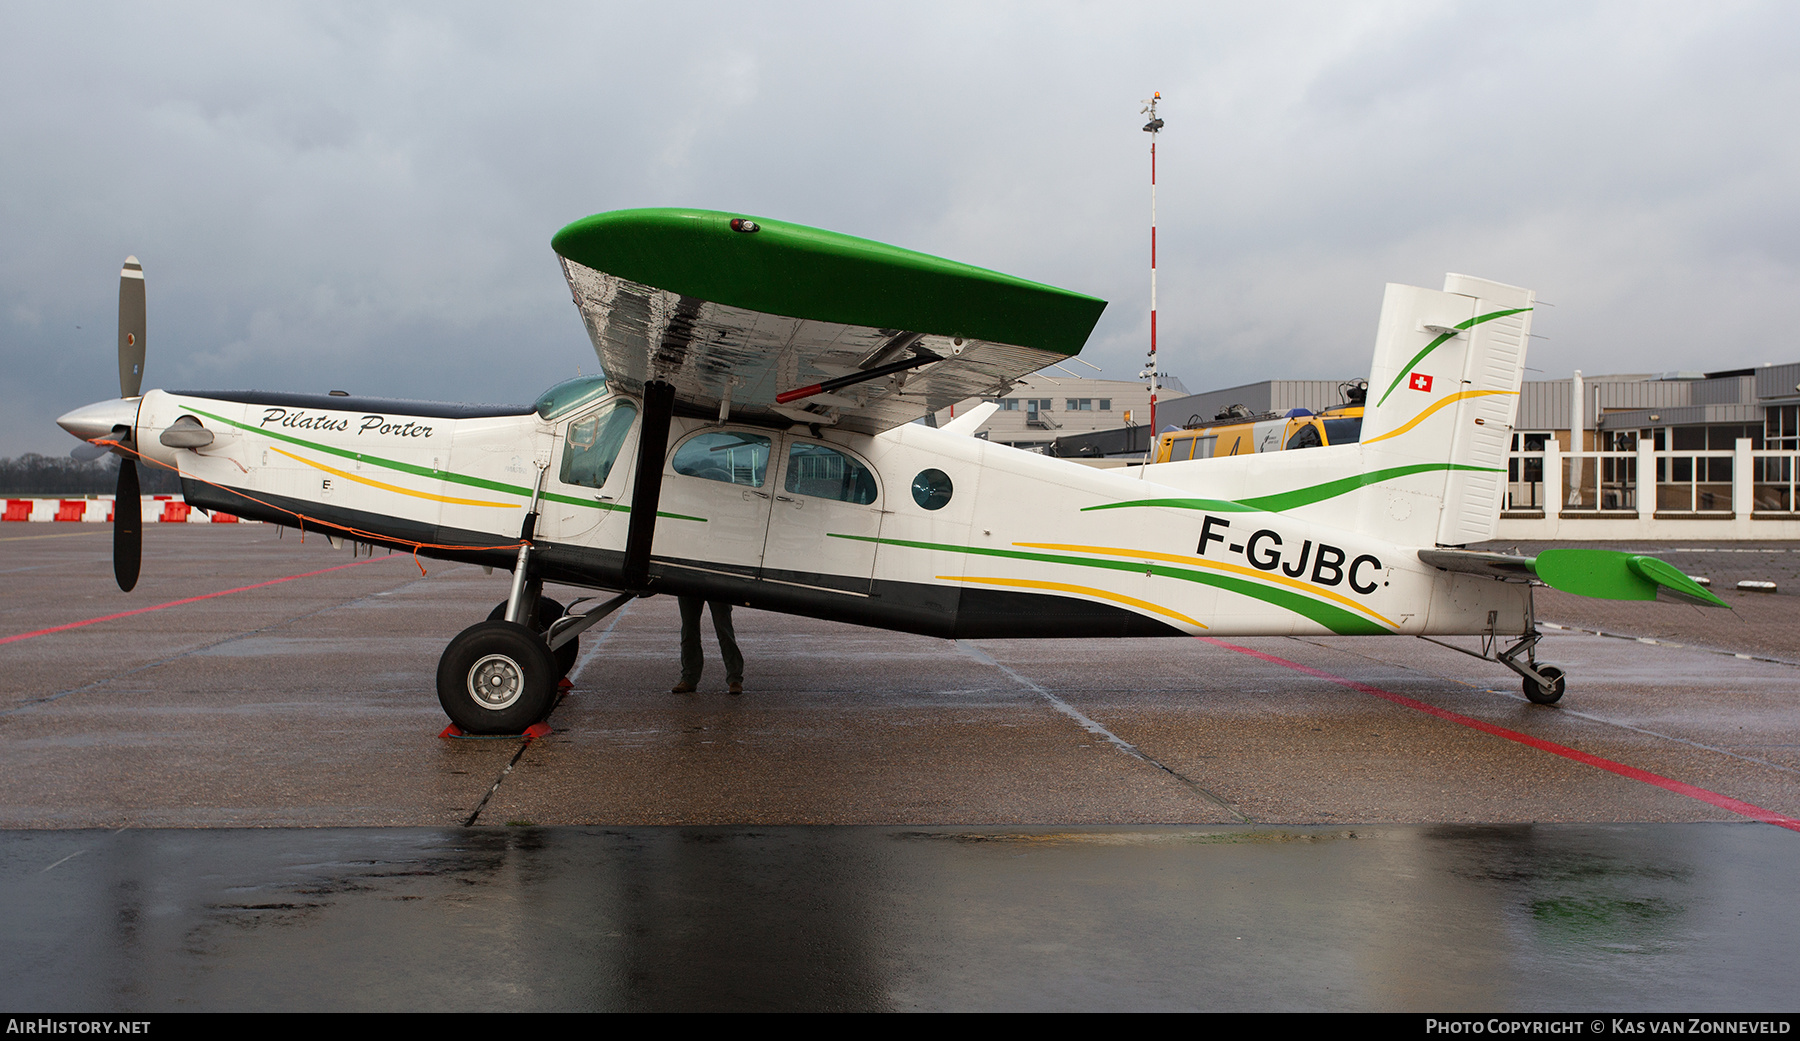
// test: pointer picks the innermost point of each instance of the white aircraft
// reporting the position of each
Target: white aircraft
(753, 441)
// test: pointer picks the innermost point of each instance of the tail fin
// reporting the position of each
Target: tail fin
(1443, 394)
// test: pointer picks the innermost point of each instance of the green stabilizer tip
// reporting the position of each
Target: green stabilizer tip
(1673, 583)
(1610, 575)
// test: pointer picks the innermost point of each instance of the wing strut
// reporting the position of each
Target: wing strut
(653, 446)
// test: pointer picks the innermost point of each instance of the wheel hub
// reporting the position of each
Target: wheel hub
(496, 681)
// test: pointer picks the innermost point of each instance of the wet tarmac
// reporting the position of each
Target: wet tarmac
(1384, 918)
(238, 799)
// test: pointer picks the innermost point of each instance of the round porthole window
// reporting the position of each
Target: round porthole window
(931, 489)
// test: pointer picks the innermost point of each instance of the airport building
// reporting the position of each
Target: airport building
(1045, 406)
(1680, 455)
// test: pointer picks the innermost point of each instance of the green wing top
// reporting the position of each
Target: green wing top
(717, 310)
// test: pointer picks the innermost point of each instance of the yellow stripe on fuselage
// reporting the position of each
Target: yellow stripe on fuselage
(1421, 417)
(1236, 569)
(1065, 587)
(393, 487)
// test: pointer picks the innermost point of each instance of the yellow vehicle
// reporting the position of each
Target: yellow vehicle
(1248, 434)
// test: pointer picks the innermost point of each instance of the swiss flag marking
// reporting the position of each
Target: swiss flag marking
(1419, 381)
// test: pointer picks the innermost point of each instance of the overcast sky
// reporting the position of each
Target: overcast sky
(362, 197)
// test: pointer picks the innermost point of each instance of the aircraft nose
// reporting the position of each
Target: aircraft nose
(99, 419)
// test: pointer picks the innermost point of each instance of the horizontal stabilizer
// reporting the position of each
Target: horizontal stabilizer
(1504, 566)
(1611, 575)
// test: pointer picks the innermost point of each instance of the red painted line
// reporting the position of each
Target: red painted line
(189, 600)
(1723, 802)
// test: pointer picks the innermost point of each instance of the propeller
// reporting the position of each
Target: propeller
(128, 526)
(128, 503)
(116, 421)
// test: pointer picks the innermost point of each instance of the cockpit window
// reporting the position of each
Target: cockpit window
(593, 444)
(570, 395)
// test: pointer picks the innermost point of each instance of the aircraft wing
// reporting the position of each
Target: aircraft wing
(736, 311)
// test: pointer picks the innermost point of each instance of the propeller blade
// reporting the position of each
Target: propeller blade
(87, 453)
(128, 526)
(131, 328)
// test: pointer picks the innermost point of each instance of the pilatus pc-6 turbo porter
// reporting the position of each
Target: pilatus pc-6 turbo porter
(753, 441)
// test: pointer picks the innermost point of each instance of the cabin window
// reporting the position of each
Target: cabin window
(593, 445)
(827, 473)
(733, 457)
(932, 489)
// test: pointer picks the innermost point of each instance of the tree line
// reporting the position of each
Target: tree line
(33, 474)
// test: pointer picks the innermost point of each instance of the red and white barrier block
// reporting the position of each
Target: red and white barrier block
(157, 509)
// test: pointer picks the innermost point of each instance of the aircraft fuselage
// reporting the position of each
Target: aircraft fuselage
(913, 529)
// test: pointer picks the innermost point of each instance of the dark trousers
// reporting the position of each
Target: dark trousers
(693, 660)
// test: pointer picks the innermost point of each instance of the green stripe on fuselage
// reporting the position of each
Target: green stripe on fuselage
(1283, 501)
(438, 475)
(1336, 619)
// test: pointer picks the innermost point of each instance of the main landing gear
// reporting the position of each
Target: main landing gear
(499, 677)
(548, 611)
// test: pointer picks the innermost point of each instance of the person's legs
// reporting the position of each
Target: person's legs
(693, 660)
(728, 648)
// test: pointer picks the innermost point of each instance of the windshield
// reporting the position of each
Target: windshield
(1343, 431)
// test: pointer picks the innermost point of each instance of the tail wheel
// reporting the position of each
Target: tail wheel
(548, 611)
(1546, 693)
(496, 678)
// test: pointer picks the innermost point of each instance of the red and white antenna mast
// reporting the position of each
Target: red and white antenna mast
(1152, 372)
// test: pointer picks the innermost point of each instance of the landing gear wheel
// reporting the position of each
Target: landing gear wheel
(1546, 694)
(496, 678)
(548, 611)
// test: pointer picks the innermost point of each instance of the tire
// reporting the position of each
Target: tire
(548, 611)
(1540, 694)
(496, 678)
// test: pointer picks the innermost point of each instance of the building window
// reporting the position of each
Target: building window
(1106, 404)
(1782, 427)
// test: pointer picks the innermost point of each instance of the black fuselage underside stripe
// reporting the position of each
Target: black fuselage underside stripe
(947, 611)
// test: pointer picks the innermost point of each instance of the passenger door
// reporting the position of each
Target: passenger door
(715, 501)
(826, 517)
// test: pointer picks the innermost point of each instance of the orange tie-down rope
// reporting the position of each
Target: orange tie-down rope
(303, 518)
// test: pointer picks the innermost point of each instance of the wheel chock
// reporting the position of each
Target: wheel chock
(532, 732)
